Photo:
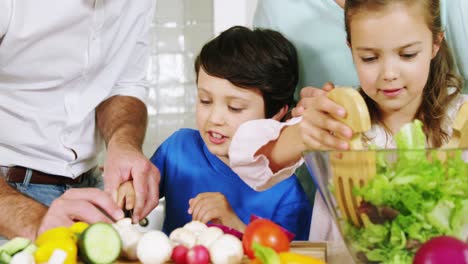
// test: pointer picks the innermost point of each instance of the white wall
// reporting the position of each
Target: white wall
(228, 13)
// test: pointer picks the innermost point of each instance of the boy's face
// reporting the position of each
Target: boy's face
(392, 50)
(221, 108)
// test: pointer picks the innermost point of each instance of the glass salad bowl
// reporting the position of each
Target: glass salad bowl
(387, 203)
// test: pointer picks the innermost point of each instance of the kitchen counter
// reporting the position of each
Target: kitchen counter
(335, 252)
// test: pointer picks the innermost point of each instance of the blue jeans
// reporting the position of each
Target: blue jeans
(46, 193)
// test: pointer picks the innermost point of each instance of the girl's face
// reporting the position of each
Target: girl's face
(222, 107)
(392, 50)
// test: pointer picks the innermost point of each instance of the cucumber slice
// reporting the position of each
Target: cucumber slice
(15, 245)
(5, 258)
(30, 249)
(99, 244)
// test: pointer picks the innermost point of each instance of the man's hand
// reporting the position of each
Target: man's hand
(125, 163)
(214, 207)
(89, 205)
(122, 122)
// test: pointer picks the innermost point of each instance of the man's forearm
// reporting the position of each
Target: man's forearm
(122, 119)
(19, 215)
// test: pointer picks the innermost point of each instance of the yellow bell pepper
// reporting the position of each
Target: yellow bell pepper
(46, 249)
(266, 255)
(54, 234)
(293, 258)
(78, 228)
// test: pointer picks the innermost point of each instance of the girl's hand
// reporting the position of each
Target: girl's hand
(308, 92)
(214, 207)
(319, 130)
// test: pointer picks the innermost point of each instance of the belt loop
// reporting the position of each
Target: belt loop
(4, 172)
(27, 177)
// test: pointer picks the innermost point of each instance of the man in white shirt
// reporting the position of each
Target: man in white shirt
(72, 77)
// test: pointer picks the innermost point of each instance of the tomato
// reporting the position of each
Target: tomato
(267, 234)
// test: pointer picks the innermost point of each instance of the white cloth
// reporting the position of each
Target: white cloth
(254, 169)
(58, 61)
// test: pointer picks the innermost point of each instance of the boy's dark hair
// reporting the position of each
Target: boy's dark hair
(253, 59)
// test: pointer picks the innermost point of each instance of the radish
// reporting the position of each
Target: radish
(443, 249)
(179, 254)
(198, 255)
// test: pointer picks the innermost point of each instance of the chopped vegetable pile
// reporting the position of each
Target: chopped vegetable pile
(415, 196)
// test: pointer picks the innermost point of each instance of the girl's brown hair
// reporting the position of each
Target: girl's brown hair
(442, 76)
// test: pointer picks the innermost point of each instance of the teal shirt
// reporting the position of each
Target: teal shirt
(316, 27)
(455, 20)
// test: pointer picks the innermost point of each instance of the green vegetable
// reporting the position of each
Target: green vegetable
(99, 243)
(15, 245)
(12, 247)
(30, 249)
(5, 258)
(266, 254)
(430, 195)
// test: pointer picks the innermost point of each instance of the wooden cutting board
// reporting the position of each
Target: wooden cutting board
(312, 249)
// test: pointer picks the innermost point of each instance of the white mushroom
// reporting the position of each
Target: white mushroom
(226, 250)
(58, 257)
(130, 236)
(210, 235)
(196, 227)
(154, 247)
(25, 258)
(184, 237)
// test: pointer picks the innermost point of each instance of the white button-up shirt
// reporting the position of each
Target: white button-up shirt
(58, 61)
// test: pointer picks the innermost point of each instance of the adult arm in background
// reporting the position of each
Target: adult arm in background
(122, 121)
(25, 217)
(455, 16)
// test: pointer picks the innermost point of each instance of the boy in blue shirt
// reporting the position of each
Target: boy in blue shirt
(241, 75)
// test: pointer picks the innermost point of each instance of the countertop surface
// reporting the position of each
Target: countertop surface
(335, 252)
